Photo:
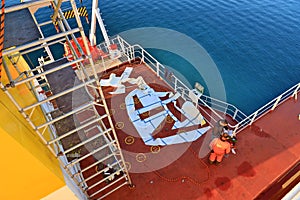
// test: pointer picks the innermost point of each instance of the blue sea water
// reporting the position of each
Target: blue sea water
(255, 44)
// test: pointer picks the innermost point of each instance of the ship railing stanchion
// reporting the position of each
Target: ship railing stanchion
(295, 93)
(253, 118)
(143, 57)
(157, 69)
(276, 103)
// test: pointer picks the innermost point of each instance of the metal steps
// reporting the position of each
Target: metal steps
(84, 142)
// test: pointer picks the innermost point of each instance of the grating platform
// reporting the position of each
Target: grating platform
(26, 32)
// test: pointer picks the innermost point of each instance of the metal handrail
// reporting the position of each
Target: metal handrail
(292, 92)
(136, 51)
(179, 86)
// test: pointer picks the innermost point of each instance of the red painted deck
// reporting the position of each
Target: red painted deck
(265, 151)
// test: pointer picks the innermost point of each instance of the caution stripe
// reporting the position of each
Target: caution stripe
(1, 35)
(70, 13)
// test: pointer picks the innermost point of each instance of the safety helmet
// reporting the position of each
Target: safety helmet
(224, 137)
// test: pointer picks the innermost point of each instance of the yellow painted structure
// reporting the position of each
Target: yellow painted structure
(28, 169)
(63, 193)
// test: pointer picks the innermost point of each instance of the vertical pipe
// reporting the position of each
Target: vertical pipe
(7, 72)
(93, 38)
(102, 27)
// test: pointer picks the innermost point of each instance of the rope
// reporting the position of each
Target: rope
(192, 180)
(1, 34)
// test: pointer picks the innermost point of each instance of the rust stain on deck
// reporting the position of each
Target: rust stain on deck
(246, 169)
(258, 131)
(223, 183)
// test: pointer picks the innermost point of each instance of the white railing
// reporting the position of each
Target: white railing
(223, 107)
(292, 92)
(213, 105)
(208, 102)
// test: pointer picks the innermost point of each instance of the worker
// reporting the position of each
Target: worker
(231, 139)
(219, 147)
(219, 128)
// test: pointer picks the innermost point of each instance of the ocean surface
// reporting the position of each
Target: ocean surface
(255, 44)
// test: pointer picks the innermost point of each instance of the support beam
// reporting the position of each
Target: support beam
(93, 39)
(26, 4)
(57, 7)
(102, 27)
(58, 95)
(42, 41)
(49, 71)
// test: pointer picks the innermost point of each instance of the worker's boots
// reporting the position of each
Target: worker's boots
(217, 163)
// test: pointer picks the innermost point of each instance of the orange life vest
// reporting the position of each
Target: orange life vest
(219, 146)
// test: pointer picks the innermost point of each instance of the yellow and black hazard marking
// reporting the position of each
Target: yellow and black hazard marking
(81, 10)
(70, 14)
(1, 34)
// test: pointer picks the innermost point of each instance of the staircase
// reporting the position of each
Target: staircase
(84, 142)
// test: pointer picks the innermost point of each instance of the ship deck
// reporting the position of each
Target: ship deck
(265, 152)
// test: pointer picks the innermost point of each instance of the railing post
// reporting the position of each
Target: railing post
(295, 93)
(127, 53)
(103, 63)
(235, 129)
(132, 53)
(157, 69)
(235, 114)
(121, 42)
(175, 83)
(276, 103)
(143, 56)
(253, 118)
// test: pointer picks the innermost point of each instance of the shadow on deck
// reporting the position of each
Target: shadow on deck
(265, 151)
